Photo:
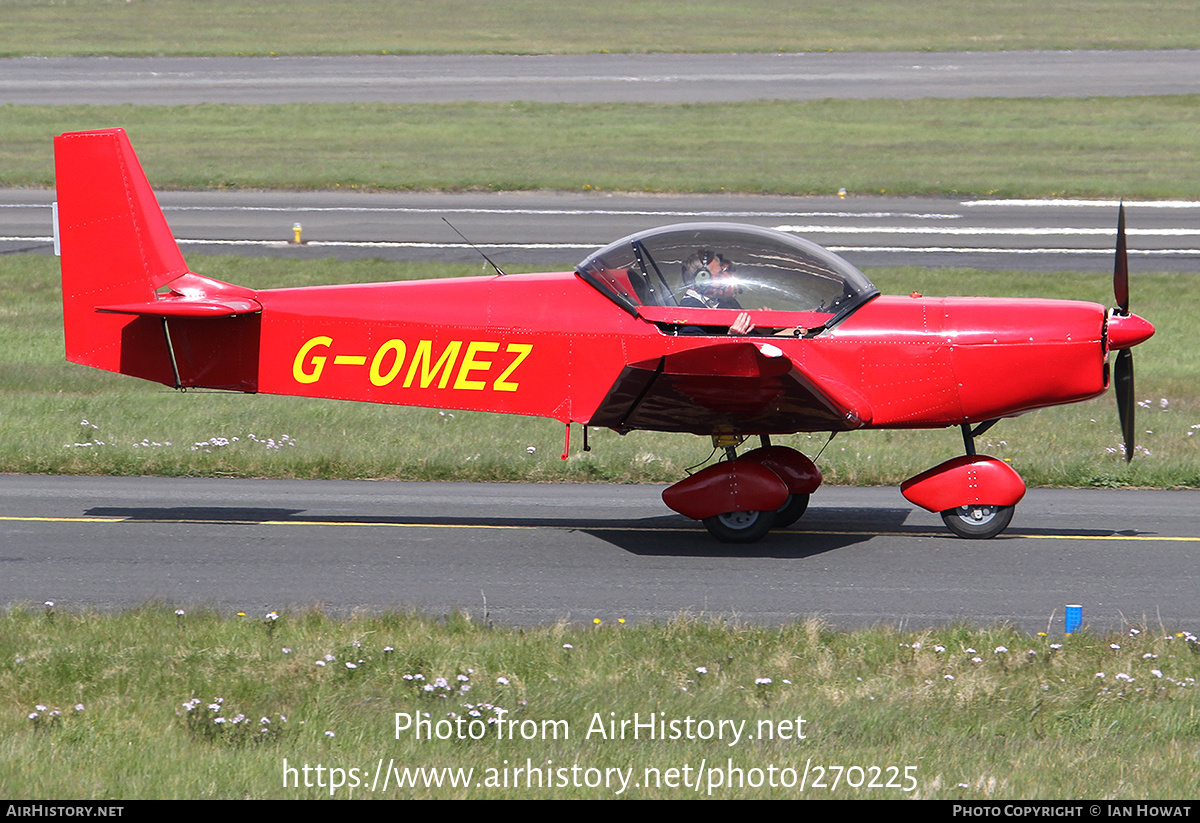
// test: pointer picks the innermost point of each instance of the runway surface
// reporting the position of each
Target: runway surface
(581, 78)
(523, 553)
(558, 229)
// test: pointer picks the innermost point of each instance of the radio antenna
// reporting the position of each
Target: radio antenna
(472, 245)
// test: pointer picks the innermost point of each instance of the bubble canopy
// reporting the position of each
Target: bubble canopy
(756, 268)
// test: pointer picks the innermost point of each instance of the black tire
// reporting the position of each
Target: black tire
(978, 522)
(791, 511)
(740, 527)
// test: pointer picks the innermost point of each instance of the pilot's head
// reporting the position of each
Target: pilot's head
(703, 268)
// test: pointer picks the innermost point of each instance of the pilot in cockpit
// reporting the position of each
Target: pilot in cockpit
(711, 284)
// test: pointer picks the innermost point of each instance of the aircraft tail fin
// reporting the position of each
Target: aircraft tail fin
(117, 253)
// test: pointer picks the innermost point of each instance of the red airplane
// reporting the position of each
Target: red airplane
(716, 329)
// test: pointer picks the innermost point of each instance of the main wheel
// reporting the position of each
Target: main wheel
(740, 527)
(978, 521)
(791, 511)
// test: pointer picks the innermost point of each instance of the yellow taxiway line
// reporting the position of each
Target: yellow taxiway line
(1151, 538)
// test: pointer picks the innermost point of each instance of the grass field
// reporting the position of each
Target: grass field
(170, 27)
(134, 427)
(155, 703)
(1128, 147)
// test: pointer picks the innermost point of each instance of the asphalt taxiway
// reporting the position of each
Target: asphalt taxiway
(536, 553)
(607, 78)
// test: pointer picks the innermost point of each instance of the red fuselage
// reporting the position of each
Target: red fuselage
(551, 345)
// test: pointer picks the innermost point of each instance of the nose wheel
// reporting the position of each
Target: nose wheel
(978, 521)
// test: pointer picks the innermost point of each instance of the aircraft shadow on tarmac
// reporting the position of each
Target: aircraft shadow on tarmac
(821, 529)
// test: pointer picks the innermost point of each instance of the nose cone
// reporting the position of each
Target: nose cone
(1127, 330)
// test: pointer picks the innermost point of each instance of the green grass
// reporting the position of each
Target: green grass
(138, 428)
(221, 27)
(1131, 147)
(971, 714)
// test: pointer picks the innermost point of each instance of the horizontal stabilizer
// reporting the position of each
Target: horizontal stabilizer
(182, 307)
(193, 296)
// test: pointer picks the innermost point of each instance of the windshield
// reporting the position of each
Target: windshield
(726, 265)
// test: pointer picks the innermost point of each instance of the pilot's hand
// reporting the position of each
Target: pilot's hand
(742, 325)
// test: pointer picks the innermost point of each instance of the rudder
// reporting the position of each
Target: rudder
(117, 254)
(116, 247)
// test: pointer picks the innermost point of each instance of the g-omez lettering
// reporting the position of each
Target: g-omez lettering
(467, 365)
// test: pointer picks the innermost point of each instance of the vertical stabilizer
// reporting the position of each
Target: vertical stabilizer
(116, 248)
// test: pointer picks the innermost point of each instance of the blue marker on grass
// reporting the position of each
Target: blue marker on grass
(1074, 617)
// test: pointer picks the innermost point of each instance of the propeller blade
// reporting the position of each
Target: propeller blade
(1123, 383)
(1121, 267)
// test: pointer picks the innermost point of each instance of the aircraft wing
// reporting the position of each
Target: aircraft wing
(746, 386)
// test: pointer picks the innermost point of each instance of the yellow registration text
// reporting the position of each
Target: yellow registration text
(471, 365)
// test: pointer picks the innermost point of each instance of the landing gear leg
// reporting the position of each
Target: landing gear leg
(740, 499)
(741, 526)
(975, 494)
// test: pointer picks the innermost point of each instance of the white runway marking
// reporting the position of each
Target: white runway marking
(979, 250)
(837, 249)
(1140, 204)
(1015, 231)
(879, 215)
